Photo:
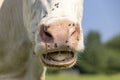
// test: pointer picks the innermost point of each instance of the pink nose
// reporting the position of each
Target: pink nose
(60, 34)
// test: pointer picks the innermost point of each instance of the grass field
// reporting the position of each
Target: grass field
(83, 77)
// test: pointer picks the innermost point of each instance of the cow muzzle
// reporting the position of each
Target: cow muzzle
(61, 39)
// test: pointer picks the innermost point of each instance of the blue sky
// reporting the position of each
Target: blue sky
(102, 16)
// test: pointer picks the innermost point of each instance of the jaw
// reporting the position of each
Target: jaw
(59, 59)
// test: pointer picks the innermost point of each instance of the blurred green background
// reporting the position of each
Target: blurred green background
(99, 61)
(101, 57)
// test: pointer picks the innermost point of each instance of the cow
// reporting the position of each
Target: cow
(36, 34)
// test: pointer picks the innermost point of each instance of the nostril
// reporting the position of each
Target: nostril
(45, 35)
(48, 34)
(72, 31)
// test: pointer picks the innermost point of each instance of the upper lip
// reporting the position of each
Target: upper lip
(57, 50)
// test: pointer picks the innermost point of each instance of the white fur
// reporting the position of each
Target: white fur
(16, 52)
(71, 10)
(1, 1)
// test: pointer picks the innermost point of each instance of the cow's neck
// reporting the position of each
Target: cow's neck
(17, 61)
(32, 70)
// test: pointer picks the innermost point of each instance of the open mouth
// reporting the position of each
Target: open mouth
(59, 59)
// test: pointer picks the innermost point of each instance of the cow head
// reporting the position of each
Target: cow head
(54, 27)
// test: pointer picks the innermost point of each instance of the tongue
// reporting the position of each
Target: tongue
(58, 56)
